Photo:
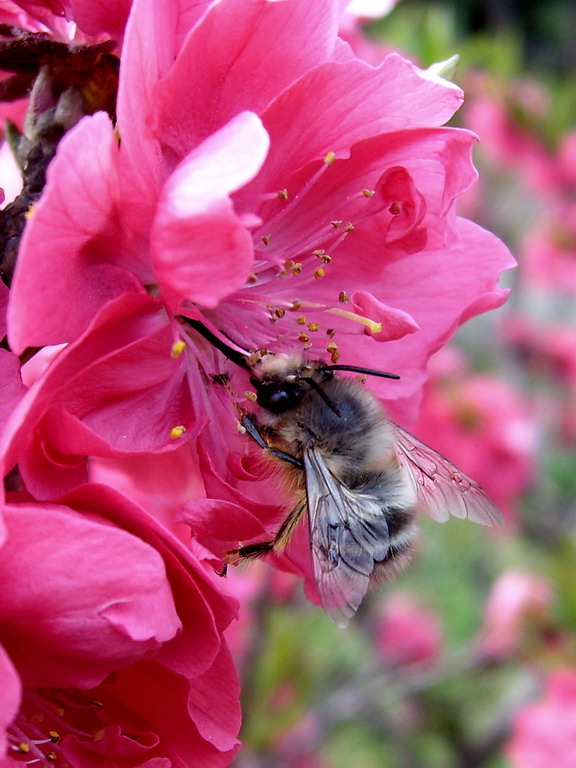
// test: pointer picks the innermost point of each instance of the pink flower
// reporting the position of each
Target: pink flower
(188, 217)
(137, 605)
(544, 734)
(408, 632)
(170, 210)
(518, 600)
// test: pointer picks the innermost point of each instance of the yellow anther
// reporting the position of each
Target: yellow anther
(177, 432)
(297, 268)
(333, 349)
(313, 327)
(329, 158)
(30, 212)
(23, 747)
(177, 348)
(251, 396)
(301, 320)
(368, 192)
(319, 273)
(256, 356)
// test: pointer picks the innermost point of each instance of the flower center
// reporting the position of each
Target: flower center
(297, 244)
(45, 718)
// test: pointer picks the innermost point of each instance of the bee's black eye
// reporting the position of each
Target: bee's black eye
(326, 375)
(278, 399)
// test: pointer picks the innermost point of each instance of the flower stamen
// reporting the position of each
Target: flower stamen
(372, 325)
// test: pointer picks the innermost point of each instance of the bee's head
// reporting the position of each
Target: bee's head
(282, 381)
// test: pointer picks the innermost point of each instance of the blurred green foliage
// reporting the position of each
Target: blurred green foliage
(506, 40)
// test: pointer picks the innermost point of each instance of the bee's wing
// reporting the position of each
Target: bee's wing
(348, 534)
(441, 488)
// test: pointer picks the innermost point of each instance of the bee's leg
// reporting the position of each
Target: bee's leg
(287, 528)
(278, 543)
(251, 428)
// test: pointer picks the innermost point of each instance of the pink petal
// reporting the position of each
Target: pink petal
(336, 105)
(10, 698)
(80, 600)
(233, 65)
(108, 16)
(155, 33)
(123, 363)
(149, 695)
(218, 524)
(11, 388)
(201, 604)
(395, 322)
(214, 706)
(195, 220)
(68, 264)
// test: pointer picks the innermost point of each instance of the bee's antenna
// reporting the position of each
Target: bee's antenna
(233, 355)
(356, 369)
(317, 388)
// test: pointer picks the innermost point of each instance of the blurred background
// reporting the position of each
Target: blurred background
(469, 660)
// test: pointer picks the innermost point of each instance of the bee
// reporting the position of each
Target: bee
(360, 477)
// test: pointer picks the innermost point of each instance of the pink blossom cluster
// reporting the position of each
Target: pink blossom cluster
(260, 179)
(545, 733)
(513, 122)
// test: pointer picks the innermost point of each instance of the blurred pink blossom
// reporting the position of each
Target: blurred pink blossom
(548, 348)
(298, 747)
(506, 117)
(548, 250)
(483, 425)
(544, 733)
(518, 601)
(408, 632)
